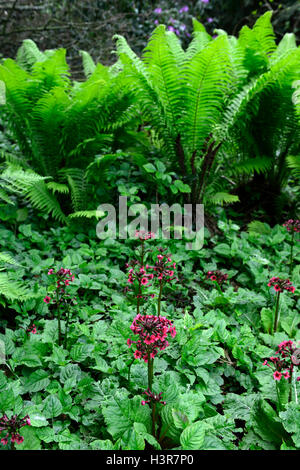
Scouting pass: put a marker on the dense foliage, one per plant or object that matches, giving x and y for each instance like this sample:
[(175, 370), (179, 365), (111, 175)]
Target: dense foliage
[(88, 392), (140, 343)]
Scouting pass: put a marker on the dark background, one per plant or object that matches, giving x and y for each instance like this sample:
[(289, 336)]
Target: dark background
[(90, 24)]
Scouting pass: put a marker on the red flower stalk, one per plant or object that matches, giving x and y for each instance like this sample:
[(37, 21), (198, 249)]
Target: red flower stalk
[(287, 357), (164, 268), (153, 331), (152, 398), (281, 284), (144, 235), (217, 276), (12, 427), (292, 225), (32, 329), (63, 277)]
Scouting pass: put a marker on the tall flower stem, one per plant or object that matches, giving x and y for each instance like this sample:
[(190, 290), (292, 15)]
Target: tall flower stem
[(150, 382), (150, 372), (140, 289), (153, 419), (291, 254), (218, 288), (67, 327), (159, 298), (58, 319), (276, 316), (291, 387)]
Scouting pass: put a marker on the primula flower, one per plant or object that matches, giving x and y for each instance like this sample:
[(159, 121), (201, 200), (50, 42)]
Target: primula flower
[(217, 276), (12, 427), (281, 284), (152, 398), (143, 234), (32, 329), (47, 299), (284, 361), (292, 225), (153, 331), (164, 269), (139, 276)]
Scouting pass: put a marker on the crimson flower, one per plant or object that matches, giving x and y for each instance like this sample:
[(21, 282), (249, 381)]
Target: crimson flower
[(153, 331), (12, 427), (281, 284), (286, 358), (292, 225), (153, 398), (217, 276)]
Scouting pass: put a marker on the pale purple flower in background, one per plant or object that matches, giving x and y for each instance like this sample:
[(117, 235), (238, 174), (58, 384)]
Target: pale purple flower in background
[(158, 11), (188, 34), (205, 1), (184, 9), (171, 20), (156, 22), (210, 20), (177, 32), (182, 27), (170, 28), (214, 36)]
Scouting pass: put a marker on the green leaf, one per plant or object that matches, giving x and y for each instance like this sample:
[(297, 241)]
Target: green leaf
[(37, 420), (291, 421), (31, 440), (266, 315), (52, 407), (122, 413), (192, 437), (80, 352), (36, 381)]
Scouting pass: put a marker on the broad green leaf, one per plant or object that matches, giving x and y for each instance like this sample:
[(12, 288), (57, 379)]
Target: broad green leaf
[(192, 437)]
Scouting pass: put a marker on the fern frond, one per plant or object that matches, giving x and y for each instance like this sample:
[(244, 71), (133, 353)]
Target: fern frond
[(87, 214), (258, 228), (12, 289), (58, 188), (293, 162), (251, 165), (221, 198), (88, 63), (207, 76), (28, 54)]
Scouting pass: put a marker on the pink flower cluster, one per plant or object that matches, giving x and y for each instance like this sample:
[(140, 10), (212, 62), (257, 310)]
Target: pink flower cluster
[(11, 427), (144, 235), (153, 331), (217, 276), (32, 329), (152, 398), (281, 284), (164, 268), (64, 277), (292, 225), (139, 273), (287, 356)]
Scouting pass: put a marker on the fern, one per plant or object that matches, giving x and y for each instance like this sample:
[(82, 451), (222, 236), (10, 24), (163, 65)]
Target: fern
[(258, 228)]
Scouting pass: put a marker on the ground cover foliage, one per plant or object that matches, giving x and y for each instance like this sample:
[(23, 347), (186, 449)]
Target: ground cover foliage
[(138, 344), (87, 393)]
